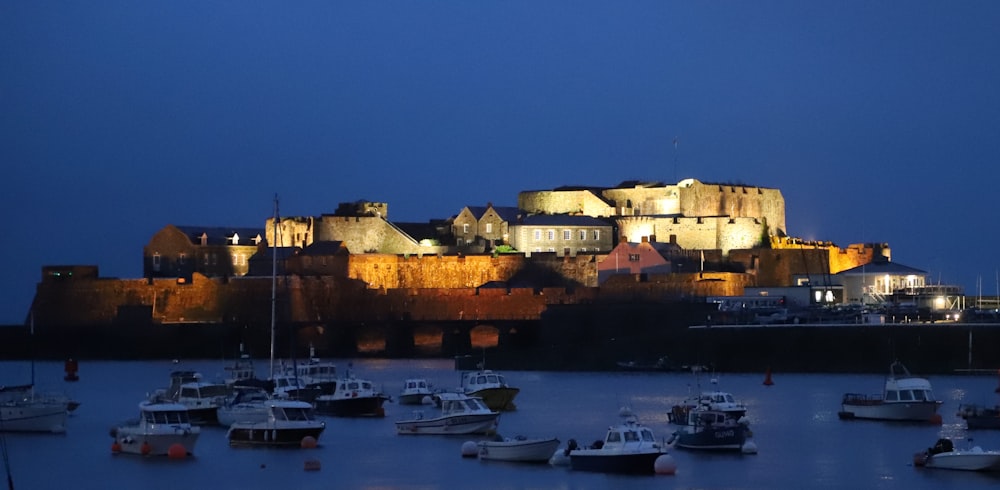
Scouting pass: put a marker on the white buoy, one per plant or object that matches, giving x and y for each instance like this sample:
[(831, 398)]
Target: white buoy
[(749, 448), (470, 449), (665, 465)]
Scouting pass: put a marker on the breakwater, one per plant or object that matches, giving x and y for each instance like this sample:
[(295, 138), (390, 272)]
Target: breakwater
[(591, 337)]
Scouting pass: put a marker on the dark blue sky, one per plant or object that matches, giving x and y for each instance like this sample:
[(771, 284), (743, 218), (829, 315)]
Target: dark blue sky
[(879, 121)]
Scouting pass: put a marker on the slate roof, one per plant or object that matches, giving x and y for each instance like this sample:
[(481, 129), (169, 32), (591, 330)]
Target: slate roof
[(883, 267), (221, 235), (562, 220)]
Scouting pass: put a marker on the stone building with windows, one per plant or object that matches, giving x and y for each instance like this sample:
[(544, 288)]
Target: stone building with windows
[(482, 228), (180, 251), (566, 235)]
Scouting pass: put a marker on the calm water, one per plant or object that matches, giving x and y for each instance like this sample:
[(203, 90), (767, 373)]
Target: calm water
[(801, 442)]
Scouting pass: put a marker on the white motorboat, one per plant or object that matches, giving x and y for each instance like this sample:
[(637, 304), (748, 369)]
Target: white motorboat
[(518, 449), (904, 398), (202, 398), (159, 427), (943, 455), (628, 447), (414, 391), (28, 414), (288, 423), (460, 414), (246, 404)]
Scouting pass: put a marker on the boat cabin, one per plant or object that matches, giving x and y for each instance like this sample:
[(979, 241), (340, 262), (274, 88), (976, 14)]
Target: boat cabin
[(417, 386), (292, 411), (628, 434), (455, 405), (908, 390), (165, 414), (481, 380)]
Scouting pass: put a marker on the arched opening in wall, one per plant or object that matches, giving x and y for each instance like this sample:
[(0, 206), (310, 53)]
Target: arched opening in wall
[(484, 336), (427, 339), (371, 339)]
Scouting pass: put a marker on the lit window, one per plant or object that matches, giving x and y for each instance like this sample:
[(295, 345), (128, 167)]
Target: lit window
[(567, 234), (633, 257), (489, 227), (465, 228)]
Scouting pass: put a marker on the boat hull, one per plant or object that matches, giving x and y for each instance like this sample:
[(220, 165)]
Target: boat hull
[(272, 435), (136, 441), (602, 461), (965, 460), (33, 417), (980, 417), (413, 398), (366, 406), (497, 399), (524, 450), (893, 411), (711, 439), (459, 424)]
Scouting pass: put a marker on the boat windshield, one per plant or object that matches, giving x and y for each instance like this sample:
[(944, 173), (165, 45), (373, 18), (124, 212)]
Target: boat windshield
[(292, 413), (164, 417), (647, 435)]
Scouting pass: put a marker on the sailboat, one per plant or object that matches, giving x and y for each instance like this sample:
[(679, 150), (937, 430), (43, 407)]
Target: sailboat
[(21, 410), (284, 422)]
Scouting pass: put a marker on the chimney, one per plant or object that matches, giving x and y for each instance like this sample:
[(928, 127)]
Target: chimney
[(645, 239)]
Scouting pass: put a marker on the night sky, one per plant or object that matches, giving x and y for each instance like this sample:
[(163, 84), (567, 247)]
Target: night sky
[(879, 121)]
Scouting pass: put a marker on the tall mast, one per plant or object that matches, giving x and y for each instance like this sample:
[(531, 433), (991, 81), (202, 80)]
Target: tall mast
[(274, 280)]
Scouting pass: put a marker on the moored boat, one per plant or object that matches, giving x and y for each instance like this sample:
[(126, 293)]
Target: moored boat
[(460, 414), (518, 449), (628, 447), (980, 417), (415, 391), (32, 415), (352, 397), (246, 404), (491, 387), (944, 456), (288, 423), (711, 430), (904, 398), (202, 398), (159, 427)]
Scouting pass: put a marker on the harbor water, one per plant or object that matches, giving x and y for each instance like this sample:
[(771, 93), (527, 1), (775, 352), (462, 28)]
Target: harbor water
[(801, 441)]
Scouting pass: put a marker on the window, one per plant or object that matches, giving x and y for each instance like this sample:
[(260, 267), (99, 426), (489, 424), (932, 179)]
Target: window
[(597, 234), (567, 235), (206, 259), (633, 257), (538, 235), (489, 227), (465, 228), (550, 234), (582, 250), (156, 261), (181, 258), (459, 242), (583, 235)]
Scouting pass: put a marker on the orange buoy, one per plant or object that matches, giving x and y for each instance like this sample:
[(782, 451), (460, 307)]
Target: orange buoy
[(176, 451), (308, 442), (116, 447), (145, 449), (767, 378)]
